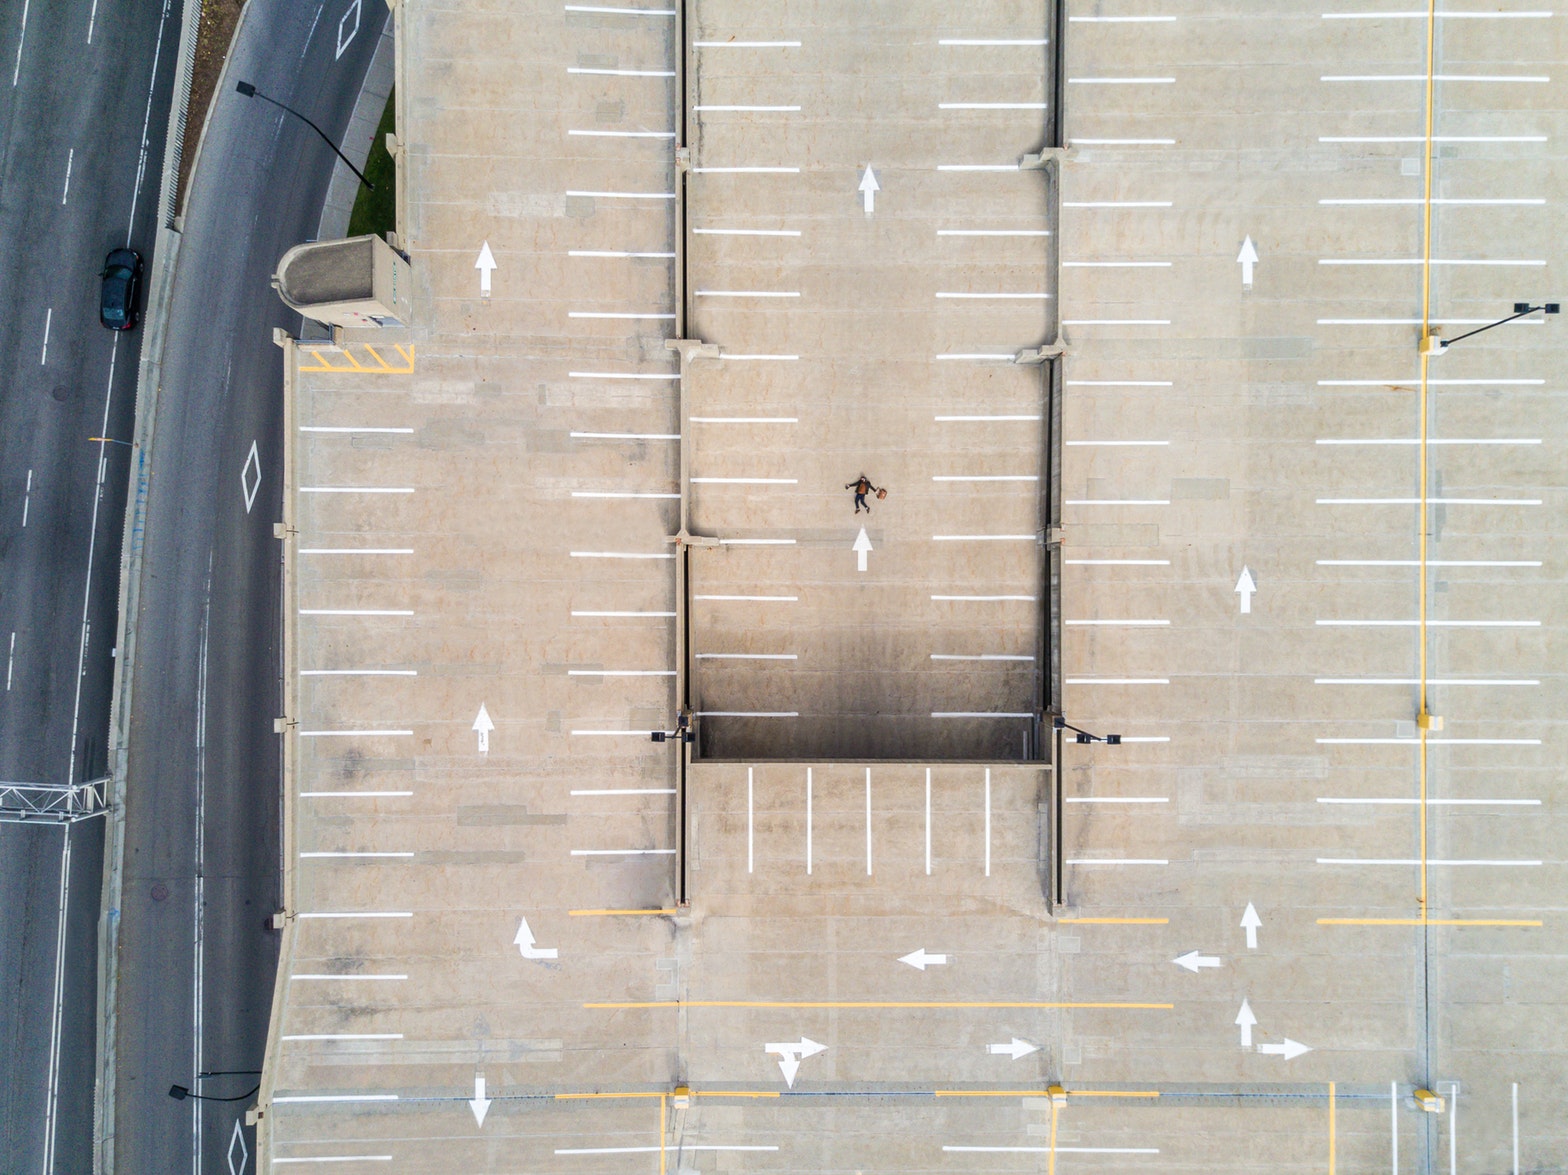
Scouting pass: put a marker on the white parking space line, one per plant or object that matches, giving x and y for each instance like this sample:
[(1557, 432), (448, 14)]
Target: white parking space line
[(664, 615), (622, 134), (988, 599), (624, 436), (623, 195), (1417, 861), (745, 44), (1117, 562), (746, 232), (351, 429), (994, 296), (1441, 77), (622, 253), (711, 109), (1432, 802), (980, 419), (608, 314), (1511, 681), (359, 673), (1429, 623), (620, 11), (624, 791), (1429, 562), (624, 73), (356, 611), (750, 599), (1119, 623), (356, 550), (623, 852), (982, 657)]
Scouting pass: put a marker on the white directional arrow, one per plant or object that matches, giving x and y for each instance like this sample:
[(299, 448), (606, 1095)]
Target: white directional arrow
[(1246, 1020), (524, 942), (483, 726), (1015, 1048), (1250, 923), (922, 959), (485, 265), (481, 1104), (1245, 586), (1248, 257), (1192, 961), (1290, 1049), (862, 548), (791, 1055), (869, 189)]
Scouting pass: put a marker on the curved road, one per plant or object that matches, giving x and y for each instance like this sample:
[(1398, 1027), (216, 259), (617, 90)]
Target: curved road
[(197, 954), (84, 99)]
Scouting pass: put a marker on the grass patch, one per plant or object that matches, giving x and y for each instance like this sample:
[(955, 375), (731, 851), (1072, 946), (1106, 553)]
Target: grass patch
[(376, 211)]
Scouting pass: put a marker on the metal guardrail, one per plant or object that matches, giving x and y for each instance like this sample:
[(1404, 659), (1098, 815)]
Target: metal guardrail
[(51, 803)]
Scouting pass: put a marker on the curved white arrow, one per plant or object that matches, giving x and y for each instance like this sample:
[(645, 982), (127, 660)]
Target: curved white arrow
[(922, 959), (524, 942)]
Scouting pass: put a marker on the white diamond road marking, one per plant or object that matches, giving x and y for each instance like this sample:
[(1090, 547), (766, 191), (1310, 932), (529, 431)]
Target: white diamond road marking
[(344, 41), (238, 1137), (245, 477)]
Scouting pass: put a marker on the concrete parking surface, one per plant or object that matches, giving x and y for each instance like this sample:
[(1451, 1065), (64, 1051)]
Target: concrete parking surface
[(875, 910)]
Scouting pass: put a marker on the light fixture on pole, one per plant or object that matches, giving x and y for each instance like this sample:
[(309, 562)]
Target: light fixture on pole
[(1083, 736), (1433, 343)]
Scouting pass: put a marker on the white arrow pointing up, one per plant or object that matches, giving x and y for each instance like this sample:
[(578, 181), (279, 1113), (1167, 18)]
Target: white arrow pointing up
[(1250, 923), (1192, 961), (524, 942), (483, 726), (1245, 586), (1015, 1048), (1290, 1049), (869, 189), (481, 1104), (921, 959), (1248, 257), (485, 265), (1246, 1020), (862, 548)]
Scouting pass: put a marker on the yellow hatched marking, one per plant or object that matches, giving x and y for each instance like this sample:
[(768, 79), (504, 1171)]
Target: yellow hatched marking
[(343, 360)]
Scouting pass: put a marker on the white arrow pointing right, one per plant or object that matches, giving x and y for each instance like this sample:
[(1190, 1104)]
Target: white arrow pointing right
[(485, 265), (1290, 1049), (1246, 1020), (862, 548), (481, 1104), (1015, 1048), (1248, 257), (1192, 961), (922, 959)]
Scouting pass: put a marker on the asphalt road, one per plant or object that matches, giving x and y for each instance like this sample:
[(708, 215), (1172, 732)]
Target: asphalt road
[(83, 111), (202, 752)]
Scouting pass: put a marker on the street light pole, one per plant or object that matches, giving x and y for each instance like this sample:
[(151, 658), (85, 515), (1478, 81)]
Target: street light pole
[(250, 91), (1434, 344)]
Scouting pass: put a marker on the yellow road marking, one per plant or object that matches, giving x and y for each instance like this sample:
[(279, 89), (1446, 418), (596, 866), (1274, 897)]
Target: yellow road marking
[(1426, 327), (868, 1004), (661, 1135), (576, 1097), (323, 360), (1118, 921), (738, 1093), (618, 913), (1055, 1109), (1429, 922)]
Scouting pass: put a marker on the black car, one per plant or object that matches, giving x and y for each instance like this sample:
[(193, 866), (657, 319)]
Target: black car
[(122, 274)]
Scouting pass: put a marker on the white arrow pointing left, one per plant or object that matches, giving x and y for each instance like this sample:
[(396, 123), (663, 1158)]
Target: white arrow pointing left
[(1248, 257), (1015, 1048), (1192, 961), (524, 942), (862, 548), (922, 959), (868, 190), (1247, 1021), (1290, 1049), (486, 266), (481, 1104), (483, 726)]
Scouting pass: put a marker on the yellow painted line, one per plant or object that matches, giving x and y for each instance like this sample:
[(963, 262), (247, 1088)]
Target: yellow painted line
[(1429, 922), (1426, 326), (662, 1136), (1330, 1128), (576, 1097), (1117, 921), (738, 1093), (1055, 1109), (1044, 1093), (869, 1004), (618, 913), (322, 361)]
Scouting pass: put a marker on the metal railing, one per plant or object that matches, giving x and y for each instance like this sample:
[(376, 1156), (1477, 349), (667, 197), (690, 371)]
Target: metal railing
[(51, 803)]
